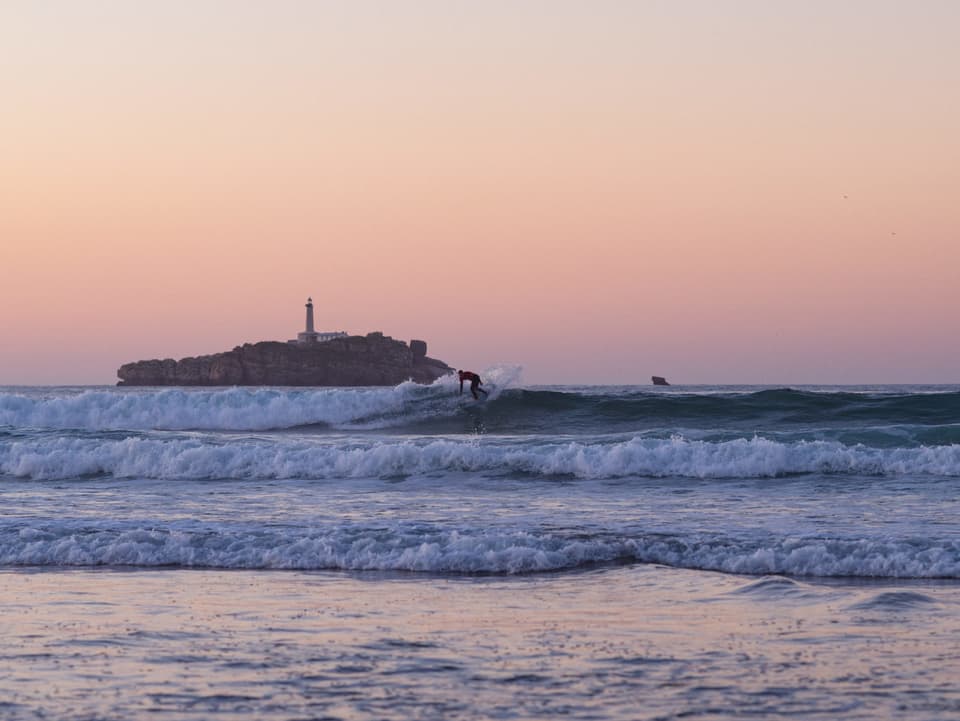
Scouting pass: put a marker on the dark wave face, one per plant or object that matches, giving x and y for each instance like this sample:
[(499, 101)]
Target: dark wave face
[(761, 408), (881, 419), (440, 408)]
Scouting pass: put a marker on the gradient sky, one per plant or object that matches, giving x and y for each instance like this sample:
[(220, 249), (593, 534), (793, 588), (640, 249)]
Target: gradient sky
[(746, 191)]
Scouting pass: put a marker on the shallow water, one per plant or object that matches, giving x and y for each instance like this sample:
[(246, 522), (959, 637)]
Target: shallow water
[(640, 642)]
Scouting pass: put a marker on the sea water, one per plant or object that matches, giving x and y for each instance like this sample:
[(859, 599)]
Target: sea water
[(408, 552)]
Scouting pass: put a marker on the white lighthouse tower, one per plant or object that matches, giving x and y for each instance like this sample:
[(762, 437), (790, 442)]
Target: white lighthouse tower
[(309, 335)]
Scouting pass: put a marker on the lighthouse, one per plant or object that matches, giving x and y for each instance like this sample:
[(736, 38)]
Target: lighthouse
[(309, 317), (310, 335)]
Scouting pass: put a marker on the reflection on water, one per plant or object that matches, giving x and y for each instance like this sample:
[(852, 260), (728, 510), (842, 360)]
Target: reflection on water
[(640, 642)]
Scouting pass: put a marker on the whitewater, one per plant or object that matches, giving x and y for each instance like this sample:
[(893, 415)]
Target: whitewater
[(710, 531)]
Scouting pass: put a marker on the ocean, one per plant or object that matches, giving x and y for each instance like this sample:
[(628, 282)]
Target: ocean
[(577, 552)]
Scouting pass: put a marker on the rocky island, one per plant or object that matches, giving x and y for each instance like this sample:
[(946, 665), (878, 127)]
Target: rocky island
[(314, 359)]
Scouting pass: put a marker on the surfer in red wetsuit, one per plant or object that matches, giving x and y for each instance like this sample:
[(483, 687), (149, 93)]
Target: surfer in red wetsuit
[(475, 382)]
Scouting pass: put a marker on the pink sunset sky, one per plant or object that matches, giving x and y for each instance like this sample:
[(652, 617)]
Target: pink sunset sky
[(743, 191)]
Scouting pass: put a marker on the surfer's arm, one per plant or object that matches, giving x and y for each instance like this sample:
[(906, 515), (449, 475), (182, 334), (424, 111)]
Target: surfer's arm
[(461, 386)]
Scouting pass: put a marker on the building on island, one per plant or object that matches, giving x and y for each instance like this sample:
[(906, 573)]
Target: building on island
[(309, 335)]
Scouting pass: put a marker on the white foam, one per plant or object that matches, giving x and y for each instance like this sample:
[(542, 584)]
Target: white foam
[(877, 558), (205, 458), (338, 548), (238, 409), (467, 550)]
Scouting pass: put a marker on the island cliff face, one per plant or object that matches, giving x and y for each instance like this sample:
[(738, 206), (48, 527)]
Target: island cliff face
[(371, 360)]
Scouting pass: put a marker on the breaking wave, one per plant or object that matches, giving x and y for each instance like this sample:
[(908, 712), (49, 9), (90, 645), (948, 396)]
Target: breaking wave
[(241, 409), (464, 551), (262, 409), (199, 458)]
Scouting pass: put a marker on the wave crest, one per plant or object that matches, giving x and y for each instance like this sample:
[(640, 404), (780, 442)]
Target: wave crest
[(468, 551), (202, 458), (242, 409)]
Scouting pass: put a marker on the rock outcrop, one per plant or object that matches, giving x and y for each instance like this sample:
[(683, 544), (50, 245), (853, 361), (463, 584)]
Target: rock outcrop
[(659, 381), (371, 360)]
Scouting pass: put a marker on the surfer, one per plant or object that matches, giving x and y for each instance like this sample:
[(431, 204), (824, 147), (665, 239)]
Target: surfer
[(475, 383)]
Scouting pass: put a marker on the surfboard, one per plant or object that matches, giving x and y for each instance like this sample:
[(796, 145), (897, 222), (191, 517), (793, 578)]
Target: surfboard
[(467, 398), (489, 388)]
